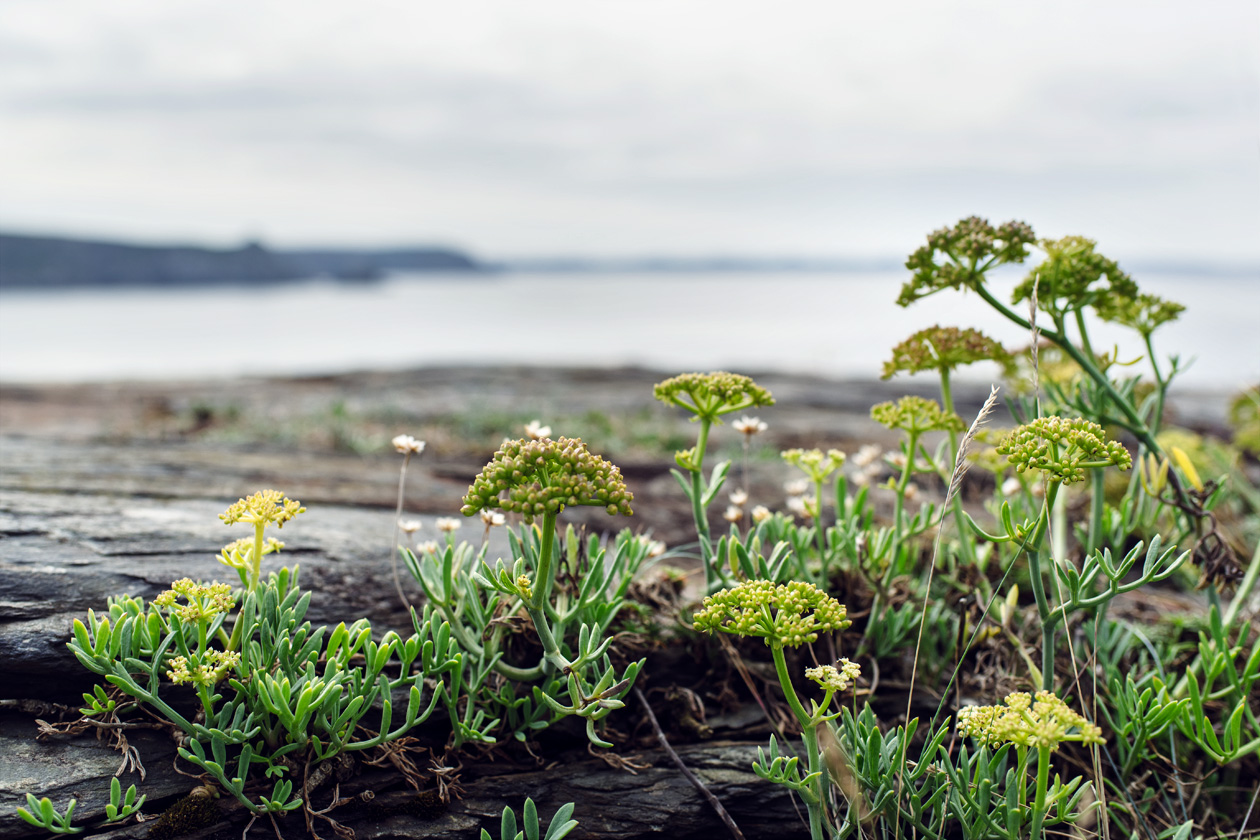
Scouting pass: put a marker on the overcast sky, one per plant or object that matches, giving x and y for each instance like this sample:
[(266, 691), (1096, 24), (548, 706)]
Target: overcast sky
[(683, 127)]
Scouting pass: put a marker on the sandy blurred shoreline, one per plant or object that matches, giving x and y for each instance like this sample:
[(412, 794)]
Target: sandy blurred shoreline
[(325, 439)]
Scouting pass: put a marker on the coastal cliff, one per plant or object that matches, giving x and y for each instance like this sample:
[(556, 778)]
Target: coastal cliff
[(41, 262)]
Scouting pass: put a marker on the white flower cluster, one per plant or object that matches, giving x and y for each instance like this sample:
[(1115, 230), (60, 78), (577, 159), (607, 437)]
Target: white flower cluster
[(407, 445), (832, 678)]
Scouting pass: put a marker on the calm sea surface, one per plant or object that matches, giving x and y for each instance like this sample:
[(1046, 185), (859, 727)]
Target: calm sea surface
[(831, 324)]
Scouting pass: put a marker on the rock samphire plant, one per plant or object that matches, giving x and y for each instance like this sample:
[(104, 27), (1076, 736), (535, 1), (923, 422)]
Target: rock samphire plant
[(788, 615), (573, 674), (276, 698), (1016, 580)]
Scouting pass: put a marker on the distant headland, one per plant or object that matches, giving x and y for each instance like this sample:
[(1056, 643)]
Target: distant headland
[(47, 262)]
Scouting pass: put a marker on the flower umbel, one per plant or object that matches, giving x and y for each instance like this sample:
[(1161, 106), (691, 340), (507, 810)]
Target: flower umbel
[(207, 669), (943, 349), (535, 477), (710, 395), (1063, 449), (916, 415), (1039, 721), (814, 462), (784, 615), (1144, 313), (968, 249), (269, 507), (1073, 276), (202, 601)]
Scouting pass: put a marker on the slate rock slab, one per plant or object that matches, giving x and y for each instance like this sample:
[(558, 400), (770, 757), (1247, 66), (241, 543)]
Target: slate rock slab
[(63, 554)]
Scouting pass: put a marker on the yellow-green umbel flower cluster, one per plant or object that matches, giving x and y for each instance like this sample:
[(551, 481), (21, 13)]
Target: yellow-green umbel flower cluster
[(967, 249), (269, 507), (206, 670), (814, 462), (536, 477), (784, 615), (943, 349), (1072, 276), (916, 415), (1144, 313), (1063, 449), (203, 600), (1040, 722), (710, 395)]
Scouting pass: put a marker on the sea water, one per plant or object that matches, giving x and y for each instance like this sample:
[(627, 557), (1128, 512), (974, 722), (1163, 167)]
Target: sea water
[(833, 324)]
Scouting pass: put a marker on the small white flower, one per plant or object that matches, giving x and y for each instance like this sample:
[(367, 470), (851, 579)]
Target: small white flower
[(866, 455), (801, 506), (447, 524), (492, 517), (655, 548), (409, 526), (912, 492), (535, 430), (796, 487), (897, 459), (739, 497), (427, 547), (408, 445), (733, 513), (761, 513), (866, 475), (749, 425), (1011, 486)]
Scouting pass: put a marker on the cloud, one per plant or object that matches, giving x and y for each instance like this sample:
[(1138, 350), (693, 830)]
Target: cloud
[(621, 122)]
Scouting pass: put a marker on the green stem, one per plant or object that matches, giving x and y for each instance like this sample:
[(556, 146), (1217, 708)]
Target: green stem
[(1140, 429), (947, 402), (1043, 780), (543, 577), (1097, 499), (1161, 384), (899, 511), (698, 513), (1097, 507), (535, 604), (819, 533), (256, 555), (809, 734), (1039, 589)]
